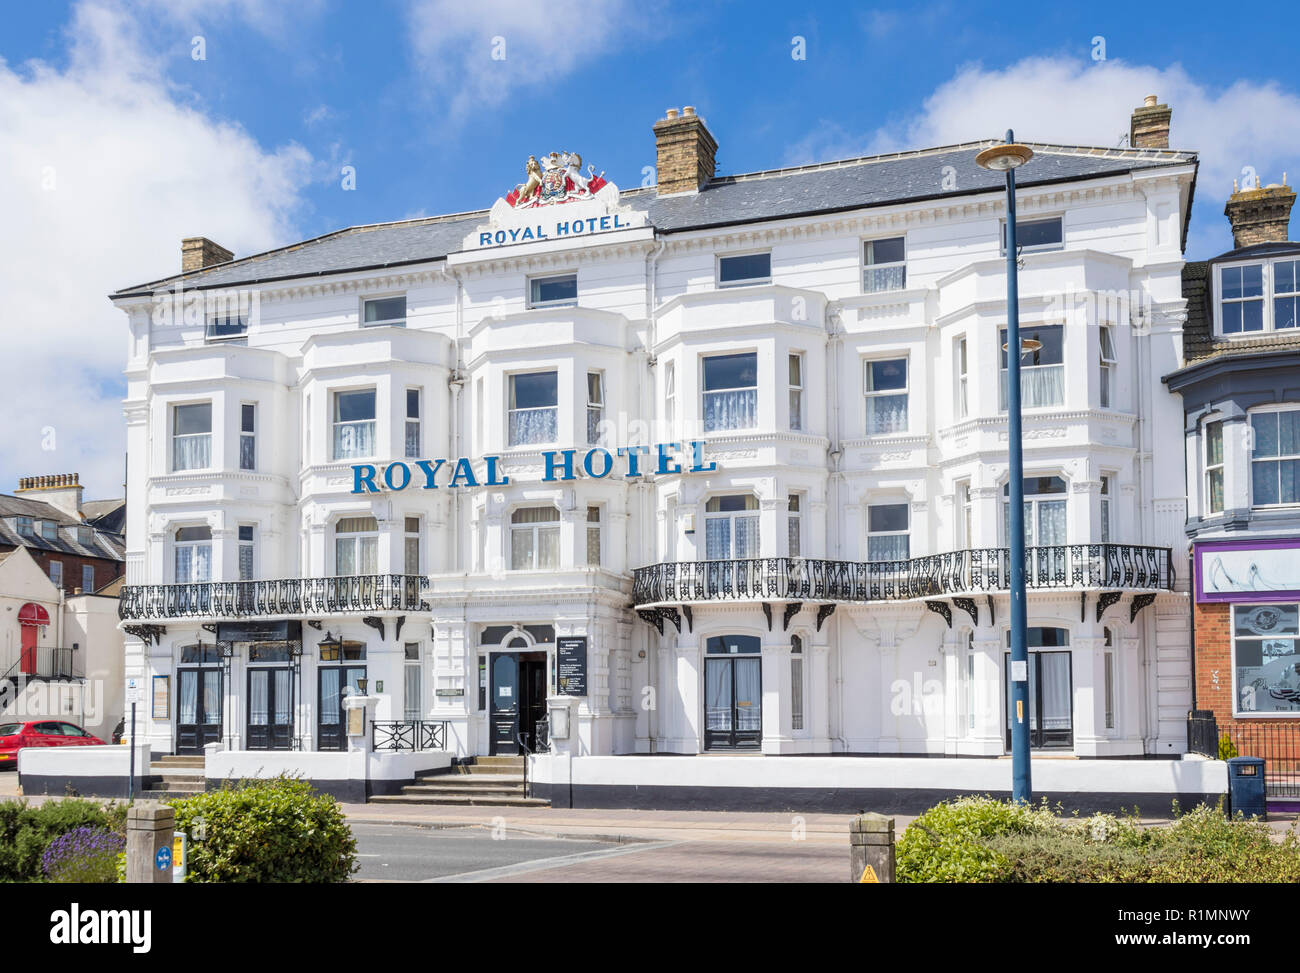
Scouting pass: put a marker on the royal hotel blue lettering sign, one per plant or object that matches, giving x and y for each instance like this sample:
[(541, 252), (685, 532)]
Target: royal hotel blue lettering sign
[(630, 462)]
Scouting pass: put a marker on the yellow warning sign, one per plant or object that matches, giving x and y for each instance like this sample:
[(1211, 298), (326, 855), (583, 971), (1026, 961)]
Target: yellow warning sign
[(869, 875)]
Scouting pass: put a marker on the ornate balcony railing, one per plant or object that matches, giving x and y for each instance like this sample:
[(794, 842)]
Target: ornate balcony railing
[(282, 596), (1063, 567), (410, 734)]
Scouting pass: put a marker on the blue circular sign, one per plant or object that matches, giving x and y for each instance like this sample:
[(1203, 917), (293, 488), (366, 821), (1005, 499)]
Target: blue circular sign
[(163, 858)]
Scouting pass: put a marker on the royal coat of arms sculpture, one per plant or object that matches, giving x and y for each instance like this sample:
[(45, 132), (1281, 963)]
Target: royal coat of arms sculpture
[(556, 178)]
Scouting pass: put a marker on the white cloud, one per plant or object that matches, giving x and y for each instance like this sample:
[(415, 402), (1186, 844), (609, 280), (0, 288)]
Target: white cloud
[(103, 169), (1082, 102), (477, 55)]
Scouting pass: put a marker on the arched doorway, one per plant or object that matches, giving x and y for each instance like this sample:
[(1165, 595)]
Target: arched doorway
[(31, 619), (733, 693)]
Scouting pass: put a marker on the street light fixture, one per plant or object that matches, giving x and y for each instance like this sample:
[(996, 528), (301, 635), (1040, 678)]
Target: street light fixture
[(1007, 157)]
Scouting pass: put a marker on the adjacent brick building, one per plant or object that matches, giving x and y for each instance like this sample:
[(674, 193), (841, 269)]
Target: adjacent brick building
[(79, 545)]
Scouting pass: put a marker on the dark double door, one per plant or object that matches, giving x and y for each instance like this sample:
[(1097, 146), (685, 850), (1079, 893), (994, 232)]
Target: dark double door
[(270, 708), (198, 713), (733, 703), (333, 683), (518, 701), (1051, 700)]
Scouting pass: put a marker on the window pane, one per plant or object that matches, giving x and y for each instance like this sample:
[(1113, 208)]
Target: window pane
[(548, 547), (731, 371), (388, 309), (412, 555), (1284, 312), (887, 516), (356, 525), (247, 451), (193, 419), (750, 266), (412, 403), (247, 416), (593, 546), (1252, 280), (1214, 443), (1289, 432), (194, 534), (886, 414), (521, 549), (1265, 428), (1231, 318), (717, 538), (354, 406), (887, 375), (888, 547), (227, 326), (534, 390), (1052, 339), (1252, 315), (889, 251), (548, 290), (1036, 233), (535, 515), (1264, 483), (736, 409), (1285, 274)]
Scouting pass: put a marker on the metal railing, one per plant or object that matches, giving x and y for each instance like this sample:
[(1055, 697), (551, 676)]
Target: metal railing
[(1203, 733), (1278, 744), (281, 596), (47, 662), (410, 735), (1066, 566)]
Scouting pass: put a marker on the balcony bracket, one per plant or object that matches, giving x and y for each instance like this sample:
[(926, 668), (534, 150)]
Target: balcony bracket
[(1105, 600), (146, 633), (652, 616), (690, 618), (792, 608), (941, 608), (767, 611), (375, 622), (674, 616), (209, 627), (314, 623), (992, 615), (824, 612), (969, 607), (1139, 602), (1083, 605), (397, 628)]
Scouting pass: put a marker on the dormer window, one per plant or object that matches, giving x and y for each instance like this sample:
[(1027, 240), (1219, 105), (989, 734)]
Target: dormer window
[(25, 527), (1258, 297), (85, 536), (49, 530)]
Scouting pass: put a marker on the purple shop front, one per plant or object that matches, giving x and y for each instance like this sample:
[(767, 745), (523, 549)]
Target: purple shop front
[(1247, 570)]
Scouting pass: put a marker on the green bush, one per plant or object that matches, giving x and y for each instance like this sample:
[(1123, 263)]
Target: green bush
[(1227, 749), (26, 831), (277, 830), (982, 840)]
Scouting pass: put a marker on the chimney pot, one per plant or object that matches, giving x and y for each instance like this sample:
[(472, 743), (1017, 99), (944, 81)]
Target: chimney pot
[(685, 152), (1149, 125)]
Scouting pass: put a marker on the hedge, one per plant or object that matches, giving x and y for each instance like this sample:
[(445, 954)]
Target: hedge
[(26, 831)]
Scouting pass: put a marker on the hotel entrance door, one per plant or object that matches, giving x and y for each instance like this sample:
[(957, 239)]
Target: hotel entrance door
[(518, 701)]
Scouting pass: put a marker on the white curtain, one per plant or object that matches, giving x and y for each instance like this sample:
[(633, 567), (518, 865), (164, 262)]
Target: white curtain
[(884, 279), (192, 452), (533, 426), (258, 697), (1051, 522), (746, 529), (188, 711), (353, 440), (412, 701), (1055, 668), (1040, 385), (521, 548), (717, 538), (730, 409), (888, 547), (193, 563), (886, 414), (281, 696), (717, 694), (748, 681), (548, 547), (329, 696)]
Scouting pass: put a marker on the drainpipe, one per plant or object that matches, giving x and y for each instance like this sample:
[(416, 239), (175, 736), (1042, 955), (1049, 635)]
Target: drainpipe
[(644, 498), (833, 499)]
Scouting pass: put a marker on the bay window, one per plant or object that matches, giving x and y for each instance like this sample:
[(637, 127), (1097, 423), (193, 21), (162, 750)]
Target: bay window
[(885, 388), (1214, 467), (1266, 658), (193, 554), (534, 539), (1042, 370), (354, 424), (533, 416), (1275, 457), (595, 406), (731, 528), (356, 546), (731, 392), (887, 532), (1045, 499), (192, 436), (884, 265)]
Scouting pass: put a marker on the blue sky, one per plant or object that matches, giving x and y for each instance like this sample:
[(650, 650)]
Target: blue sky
[(248, 144)]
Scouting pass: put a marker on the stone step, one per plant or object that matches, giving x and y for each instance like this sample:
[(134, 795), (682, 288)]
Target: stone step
[(474, 800), (183, 760), (472, 792), (471, 781), (172, 770), (495, 762)]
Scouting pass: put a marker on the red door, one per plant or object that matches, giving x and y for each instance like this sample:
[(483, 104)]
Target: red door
[(31, 619)]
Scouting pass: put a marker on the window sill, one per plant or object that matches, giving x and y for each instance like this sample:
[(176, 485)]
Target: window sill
[(756, 282), (551, 305), (395, 323)]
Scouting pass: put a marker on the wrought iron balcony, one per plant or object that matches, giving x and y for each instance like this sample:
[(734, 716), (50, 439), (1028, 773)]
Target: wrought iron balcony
[(1062, 567), (282, 596)]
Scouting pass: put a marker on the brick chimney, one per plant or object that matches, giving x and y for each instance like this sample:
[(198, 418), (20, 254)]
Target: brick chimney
[(198, 252), (1149, 127), (1260, 215), (61, 490), (685, 150)]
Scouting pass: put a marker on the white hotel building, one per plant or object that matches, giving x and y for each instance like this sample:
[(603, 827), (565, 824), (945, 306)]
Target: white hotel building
[(825, 574)]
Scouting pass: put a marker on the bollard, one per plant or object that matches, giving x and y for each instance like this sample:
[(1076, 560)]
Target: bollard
[(871, 844), (149, 828)]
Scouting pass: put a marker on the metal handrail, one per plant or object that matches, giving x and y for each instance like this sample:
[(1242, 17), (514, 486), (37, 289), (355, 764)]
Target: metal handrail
[(50, 662), (279, 596), (1065, 566)]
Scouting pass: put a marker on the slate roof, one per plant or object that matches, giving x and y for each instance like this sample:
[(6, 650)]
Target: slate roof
[(726, 200), (109, 545), (107, 515), (1199, 342)]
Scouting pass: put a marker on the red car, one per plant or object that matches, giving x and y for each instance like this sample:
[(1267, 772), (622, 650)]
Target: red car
[(41, 733)]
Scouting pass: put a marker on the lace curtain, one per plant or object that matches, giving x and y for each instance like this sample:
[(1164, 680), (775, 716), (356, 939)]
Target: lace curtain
[(529, 426), (886, 414), (356, 555), (534, 547), (718, 536), (192, 452), (193, 563), (730, 409), (878, 279), (888, 547), (1040, 385), (354, 440)]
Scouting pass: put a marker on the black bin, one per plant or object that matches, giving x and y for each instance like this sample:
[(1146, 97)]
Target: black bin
[(1246, 787)]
